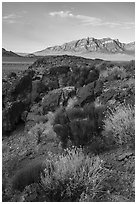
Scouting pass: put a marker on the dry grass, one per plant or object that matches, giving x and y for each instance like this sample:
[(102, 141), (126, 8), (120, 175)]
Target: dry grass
[(71, 175), (121, 123)]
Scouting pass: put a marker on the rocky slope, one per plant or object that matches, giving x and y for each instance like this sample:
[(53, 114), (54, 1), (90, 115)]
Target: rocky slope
[(53, 83), (91, 45), (52, 80)]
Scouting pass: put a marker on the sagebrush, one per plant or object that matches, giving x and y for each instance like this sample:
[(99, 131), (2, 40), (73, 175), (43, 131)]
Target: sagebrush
[(71, 174), (120, 123)]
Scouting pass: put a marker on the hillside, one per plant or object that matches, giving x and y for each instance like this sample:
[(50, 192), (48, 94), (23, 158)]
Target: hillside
[(69, 131), (105, 48), (6, 53)]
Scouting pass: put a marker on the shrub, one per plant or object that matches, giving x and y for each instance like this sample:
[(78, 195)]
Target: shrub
[(75, 113), (79, 124), (103, 74), (37, 131), (96, 113), (121, 123), (82, 131), (62, 132), (60, 116), (117, 73), (27, 175), (72, 174)]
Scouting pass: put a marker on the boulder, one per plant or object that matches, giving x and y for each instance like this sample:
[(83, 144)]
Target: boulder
[(86, 94), (56, 98), (36, 118), (51, 101), (11, 115), (98, 88), (21, 87), (36, 90)]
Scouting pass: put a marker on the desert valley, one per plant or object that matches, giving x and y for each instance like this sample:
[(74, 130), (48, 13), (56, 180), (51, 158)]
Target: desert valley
[(68, 121)]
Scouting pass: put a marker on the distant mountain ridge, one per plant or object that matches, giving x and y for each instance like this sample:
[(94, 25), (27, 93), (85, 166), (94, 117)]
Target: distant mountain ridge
[(91, 45), (6, 53)]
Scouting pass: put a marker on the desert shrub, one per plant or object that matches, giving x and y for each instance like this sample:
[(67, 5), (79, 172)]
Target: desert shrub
[(117, 73), (96, 113), (82, 131), (50, 117), (130, 68), (103, 75), (60, 116), (44, 131), (62, 132), (72, 174), (75, 113), (93, 75), (120, 123), (27, 175), (79, 124), (37, 131)]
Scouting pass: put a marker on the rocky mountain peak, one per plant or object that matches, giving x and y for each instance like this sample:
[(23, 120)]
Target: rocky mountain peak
[(90, 45)]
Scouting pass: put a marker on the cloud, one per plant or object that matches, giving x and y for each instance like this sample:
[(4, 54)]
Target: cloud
[(11, 18), (82, 18), (90, 20), (128, 25), (62, 14)]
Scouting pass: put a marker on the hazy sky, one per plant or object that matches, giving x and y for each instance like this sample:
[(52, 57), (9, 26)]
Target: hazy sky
[(29, 27)]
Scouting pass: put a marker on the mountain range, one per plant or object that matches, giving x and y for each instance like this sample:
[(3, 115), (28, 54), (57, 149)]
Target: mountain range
[(91, 46), (6, 53), (105, 48)]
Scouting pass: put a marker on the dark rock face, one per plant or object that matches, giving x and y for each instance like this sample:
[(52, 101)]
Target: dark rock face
[(22, 86), (51, 101), (88, 93), (98, 88), (57, 97), (16, 99), (11, 115), (36, 90)]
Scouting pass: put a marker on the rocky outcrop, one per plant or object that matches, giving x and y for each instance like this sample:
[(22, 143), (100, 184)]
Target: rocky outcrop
[(88, 93), (36, 90), (56, 98), (11, 115), (16, 99), (61, 71)]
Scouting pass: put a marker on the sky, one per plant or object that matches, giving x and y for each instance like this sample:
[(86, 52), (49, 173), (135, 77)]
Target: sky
[(32, 26)]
